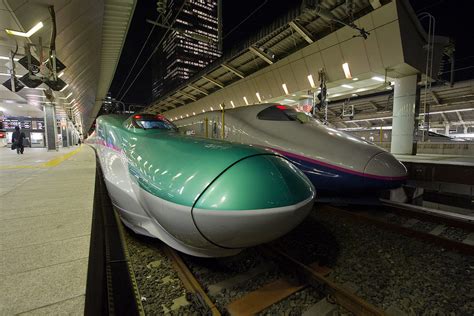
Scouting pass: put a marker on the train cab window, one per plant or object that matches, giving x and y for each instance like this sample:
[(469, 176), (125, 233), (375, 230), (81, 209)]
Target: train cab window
[(283, 113), (150, 121)]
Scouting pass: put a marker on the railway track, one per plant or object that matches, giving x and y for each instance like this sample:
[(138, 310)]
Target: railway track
[(418, 223), (298, 277), (278, 281)]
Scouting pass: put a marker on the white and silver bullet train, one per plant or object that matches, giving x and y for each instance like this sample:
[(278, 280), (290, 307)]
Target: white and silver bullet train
[(338, 164)]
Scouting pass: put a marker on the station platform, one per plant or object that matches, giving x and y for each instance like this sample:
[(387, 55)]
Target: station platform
[(46, 201), (456, 160)]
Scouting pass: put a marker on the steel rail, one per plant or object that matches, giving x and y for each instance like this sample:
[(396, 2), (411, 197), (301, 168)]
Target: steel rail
[(341, 295), (190, 282)]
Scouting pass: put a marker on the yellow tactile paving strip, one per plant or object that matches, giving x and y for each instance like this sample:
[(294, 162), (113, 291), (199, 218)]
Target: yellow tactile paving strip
[(48, 164)]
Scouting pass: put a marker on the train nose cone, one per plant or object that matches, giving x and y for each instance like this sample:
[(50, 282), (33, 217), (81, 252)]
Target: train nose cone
[(256, 200), (386, 169)]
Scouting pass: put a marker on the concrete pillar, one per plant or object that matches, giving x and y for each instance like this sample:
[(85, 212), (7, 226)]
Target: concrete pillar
[(64, 134), (406, 105), (50, 128), (69, 134)]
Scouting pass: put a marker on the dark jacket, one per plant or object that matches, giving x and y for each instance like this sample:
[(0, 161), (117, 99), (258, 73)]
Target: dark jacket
[(17, 138)]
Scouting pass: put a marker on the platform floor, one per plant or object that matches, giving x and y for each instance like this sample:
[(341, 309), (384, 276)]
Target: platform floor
[(46, 201), (438, 159)]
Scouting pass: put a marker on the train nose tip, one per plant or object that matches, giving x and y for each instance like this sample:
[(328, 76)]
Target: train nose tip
[(385, 166), (258, 199)]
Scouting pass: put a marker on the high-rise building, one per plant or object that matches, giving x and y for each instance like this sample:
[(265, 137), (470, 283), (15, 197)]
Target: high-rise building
[(190, 46)]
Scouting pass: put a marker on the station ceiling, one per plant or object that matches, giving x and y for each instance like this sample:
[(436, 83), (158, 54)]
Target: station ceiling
[(90, 36)]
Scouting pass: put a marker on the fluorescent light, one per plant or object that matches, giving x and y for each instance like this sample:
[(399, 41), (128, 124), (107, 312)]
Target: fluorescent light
[(220, 105), (203, 111), (347, 71), (361, 89), (233, 105), (451, 111), (212, 109), (355, 79), (258, 97), (187, 115), (181, 116), (285, 88), (194, 113), (8, 58), (245, 100), (64, 88), (61, 74), (7, 74), (336, 95), (347, 86), (378, 79), (34, 95), (32, 31), (311, 81), (72, 100), (175, 117), (20, 106)]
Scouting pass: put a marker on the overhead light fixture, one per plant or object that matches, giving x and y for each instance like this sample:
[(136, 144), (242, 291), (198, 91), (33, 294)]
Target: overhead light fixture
[(203, 111), (355, 79), (285, 88), (347, 86), (220, 105), (347, 71), (361, 89), (64, 88), (245, 100), (8, 58), (187, 115), (378, 79), (232, 103), (212, 109), (258, 97), (194, 113), (32, 31), (7, 74), (61, 74), (311, 81), (336, 95)]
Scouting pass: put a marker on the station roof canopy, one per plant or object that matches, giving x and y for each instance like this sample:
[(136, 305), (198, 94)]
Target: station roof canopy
[(316, 35), (89, 41)]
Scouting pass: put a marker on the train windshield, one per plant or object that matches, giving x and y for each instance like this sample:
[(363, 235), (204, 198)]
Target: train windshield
[(284, 113), (150, 121)]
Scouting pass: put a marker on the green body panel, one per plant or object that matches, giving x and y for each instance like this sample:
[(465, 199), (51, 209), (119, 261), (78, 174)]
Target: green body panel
[(179, 168), (257, 182)]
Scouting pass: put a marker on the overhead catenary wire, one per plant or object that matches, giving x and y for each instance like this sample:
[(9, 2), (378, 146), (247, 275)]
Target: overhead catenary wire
[(138, 56), (154, 50)]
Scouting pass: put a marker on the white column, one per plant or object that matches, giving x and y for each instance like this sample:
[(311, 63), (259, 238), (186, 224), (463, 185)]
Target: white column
[(50, 127), (405, 102)]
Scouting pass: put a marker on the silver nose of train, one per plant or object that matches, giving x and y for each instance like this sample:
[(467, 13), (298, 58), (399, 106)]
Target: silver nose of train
[(384, 166)]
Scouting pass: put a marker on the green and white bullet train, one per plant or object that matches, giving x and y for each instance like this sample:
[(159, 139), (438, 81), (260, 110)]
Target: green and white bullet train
[(203, 197)]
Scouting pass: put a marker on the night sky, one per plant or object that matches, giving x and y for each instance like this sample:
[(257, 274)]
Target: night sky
[(453, 19)]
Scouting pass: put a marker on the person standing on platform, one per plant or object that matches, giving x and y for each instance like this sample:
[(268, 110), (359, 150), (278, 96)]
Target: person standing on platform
[(17, 140)]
